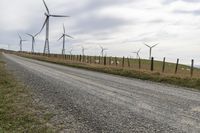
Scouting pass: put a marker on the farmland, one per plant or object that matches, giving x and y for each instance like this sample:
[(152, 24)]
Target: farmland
[(127, 67)]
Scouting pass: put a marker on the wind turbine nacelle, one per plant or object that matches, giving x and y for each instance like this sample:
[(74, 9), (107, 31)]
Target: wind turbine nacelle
[(46, 14)]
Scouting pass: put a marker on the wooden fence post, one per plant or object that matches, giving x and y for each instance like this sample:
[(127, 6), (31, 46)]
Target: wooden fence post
[(139, 63), (128, 62), (163, 67), (99, 60), (95, 59), (86, 59), (176, 68), (192, 67), (123, 60), (105, 61), (80, 58), (116, 61), (152, 64)]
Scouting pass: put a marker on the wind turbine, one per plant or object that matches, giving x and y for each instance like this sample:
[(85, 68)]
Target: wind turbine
[(102, 50), (21, 41), (33, 41), (63, 36), (46, 22), (137, 53), (70, 51), (150, 47), (83, 50)]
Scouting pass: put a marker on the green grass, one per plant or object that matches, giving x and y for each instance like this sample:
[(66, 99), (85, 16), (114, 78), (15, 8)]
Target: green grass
[(180, 79), (17, 113)]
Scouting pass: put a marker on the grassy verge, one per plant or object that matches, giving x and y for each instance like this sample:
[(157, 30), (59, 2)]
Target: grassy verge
[(144, 75), (17, 113)]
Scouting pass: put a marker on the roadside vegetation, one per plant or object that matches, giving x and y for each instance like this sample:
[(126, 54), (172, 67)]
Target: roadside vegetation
[(183, 77), (17, 111)]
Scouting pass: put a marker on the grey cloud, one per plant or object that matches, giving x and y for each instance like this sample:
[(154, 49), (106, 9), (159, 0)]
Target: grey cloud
[(94, 23), (165, 2), (87, 25), (194, 12), (193, 1), (93, 5), (156, 21)]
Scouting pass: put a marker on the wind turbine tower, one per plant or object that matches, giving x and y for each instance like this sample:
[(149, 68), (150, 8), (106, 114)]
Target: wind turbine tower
[(83, 51), (46, 22), (63, 37), (21, 42), (150, 49), (33, 41)]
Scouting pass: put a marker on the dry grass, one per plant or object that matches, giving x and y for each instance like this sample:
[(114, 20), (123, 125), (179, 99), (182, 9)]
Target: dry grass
[(17, 113), (182, 78)]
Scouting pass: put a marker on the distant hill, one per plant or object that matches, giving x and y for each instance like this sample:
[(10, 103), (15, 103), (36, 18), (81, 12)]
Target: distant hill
[(1, 50)]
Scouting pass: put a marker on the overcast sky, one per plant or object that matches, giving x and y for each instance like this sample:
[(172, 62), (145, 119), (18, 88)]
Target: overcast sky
[(122, 26)]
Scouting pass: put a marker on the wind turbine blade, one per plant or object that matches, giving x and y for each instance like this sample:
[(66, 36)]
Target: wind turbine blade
[(139, 50), (36, 34), (101, 47), (43, 25), (146, 45), (46, 6), (60, 37), (58, 16), (64, 28), (69, 36), (29, 35), (19, 36), (155, 45)]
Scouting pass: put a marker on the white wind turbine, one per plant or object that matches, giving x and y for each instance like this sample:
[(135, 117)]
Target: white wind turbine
[(63, 37), (102, 50), (33, 41), (137, 53), (150, 49), (21, 42), (46, 22)]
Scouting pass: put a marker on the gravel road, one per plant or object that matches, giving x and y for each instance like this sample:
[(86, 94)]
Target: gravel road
[(100, 102)]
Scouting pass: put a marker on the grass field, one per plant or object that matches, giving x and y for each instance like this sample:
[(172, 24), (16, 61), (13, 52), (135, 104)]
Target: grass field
[(17, 112), (182, 78)]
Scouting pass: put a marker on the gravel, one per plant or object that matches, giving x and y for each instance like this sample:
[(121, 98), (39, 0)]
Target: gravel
[(85, 101)]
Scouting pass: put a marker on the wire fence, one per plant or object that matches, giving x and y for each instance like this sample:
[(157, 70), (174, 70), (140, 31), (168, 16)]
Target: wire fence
[(151, 65)]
